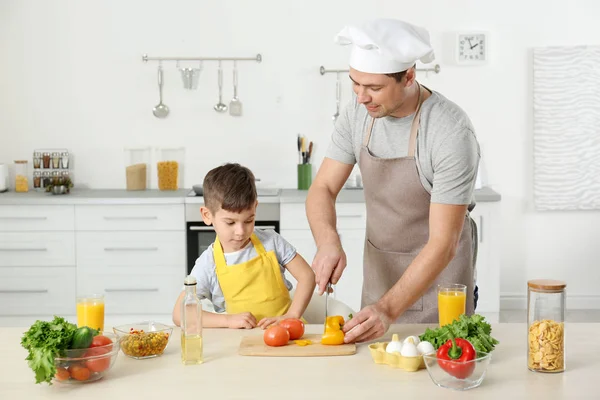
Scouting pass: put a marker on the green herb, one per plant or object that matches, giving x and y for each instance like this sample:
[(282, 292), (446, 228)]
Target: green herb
[(473, 328), (44, 341)]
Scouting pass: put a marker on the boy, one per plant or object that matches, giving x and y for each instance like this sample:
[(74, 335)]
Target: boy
[(243, 271)]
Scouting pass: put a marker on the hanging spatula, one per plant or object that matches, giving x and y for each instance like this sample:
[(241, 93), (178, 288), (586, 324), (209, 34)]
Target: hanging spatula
[(235, 105)]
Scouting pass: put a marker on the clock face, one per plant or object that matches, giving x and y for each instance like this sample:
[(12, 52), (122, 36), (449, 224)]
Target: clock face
[(472, 48)]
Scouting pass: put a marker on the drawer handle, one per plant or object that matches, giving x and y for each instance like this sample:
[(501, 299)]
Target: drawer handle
[(131, 290), (350, 216), (126, 218), (25, 218), (201, 228), (25, 291), (24, 249), (131, 249)]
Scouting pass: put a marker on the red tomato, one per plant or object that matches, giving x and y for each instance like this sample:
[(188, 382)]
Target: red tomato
[(62, 374), (79, 373), (101, 341), (97, 364), (276, 336), (294, 326)]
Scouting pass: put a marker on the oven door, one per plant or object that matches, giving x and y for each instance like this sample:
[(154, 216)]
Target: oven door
[(201, 236)]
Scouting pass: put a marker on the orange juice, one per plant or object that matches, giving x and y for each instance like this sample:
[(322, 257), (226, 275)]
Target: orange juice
[(90, 313), (451, 304)]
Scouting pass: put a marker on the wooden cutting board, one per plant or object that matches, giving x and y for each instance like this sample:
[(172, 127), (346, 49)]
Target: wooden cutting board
[(255, 346)]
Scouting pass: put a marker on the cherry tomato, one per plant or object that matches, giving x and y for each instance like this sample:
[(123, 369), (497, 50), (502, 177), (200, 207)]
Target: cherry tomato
[(79, 373), (101, 341), (276, 336), (294, 326), (62, 374), (98, 364)]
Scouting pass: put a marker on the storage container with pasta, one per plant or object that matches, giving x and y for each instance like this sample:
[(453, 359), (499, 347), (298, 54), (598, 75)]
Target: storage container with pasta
[(170, 168), (546, 325)]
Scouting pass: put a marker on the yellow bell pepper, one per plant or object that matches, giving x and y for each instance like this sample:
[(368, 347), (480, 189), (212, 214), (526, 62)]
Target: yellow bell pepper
[(333, 330), (303, 342)]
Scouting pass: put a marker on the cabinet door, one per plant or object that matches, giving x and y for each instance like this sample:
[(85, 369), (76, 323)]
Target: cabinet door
[(487, 269), (304, 243), (349, 289)]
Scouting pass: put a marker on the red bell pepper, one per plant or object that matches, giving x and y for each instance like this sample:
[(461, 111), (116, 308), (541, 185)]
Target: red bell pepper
[(454, 356)]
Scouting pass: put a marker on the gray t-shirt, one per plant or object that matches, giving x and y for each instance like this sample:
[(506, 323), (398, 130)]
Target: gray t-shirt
[(447, 150), (204, 270)]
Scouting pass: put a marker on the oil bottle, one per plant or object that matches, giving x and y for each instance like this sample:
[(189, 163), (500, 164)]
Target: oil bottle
[(191, 324)]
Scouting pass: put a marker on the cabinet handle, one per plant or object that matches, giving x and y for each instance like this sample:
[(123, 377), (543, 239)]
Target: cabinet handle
[(350, 216), (131, 290), (481, 229), (24, 249), (25, 218), (25, 291), (133, 218), (131, 249), (265, 227)]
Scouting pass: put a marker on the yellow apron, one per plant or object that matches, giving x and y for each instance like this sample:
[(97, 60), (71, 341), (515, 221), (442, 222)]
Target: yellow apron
[(254, 286)]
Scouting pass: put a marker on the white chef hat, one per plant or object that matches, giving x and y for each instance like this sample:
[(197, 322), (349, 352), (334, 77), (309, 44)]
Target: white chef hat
[(384, 46)]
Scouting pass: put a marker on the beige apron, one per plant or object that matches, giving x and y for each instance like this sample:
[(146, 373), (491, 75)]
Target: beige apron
[(398, 228)]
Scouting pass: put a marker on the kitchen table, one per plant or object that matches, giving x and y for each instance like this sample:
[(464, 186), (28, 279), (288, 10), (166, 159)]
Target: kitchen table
[(227, 375)]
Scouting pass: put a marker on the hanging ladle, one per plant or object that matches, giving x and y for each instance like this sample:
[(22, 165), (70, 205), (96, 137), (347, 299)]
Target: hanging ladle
[(220, 106), (338, 95), (160, 110)]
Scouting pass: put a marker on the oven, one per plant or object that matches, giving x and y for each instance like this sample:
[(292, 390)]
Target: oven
[(200, 236)]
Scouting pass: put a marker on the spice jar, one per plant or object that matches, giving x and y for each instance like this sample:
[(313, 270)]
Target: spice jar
[(64, 160), (546, 300), (55, 177), (46, 160), (46, 179), (37, 160), (56, 160), (21, 174), (37, 179)]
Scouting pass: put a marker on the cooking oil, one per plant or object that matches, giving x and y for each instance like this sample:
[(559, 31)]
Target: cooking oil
[(191, 324), (191, 349)]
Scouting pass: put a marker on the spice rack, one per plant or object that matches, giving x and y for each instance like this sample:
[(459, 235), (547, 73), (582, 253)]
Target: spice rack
[(50, 165)]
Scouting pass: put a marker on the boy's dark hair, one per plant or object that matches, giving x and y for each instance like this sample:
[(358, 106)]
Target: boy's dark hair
[(230, 187)]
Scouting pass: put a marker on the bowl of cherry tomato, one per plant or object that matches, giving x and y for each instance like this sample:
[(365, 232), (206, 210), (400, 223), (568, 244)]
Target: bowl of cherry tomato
[(89, 364)]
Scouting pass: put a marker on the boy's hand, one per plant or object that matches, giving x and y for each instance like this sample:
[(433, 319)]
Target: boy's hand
[(243, 320), (268, 321)]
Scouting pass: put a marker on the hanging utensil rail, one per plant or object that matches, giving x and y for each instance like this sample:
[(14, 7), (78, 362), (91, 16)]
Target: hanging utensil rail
[(146, 58), (436, 68)]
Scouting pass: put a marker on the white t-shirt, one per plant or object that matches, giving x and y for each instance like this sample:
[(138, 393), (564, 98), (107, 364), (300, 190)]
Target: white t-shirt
[(204, 270)]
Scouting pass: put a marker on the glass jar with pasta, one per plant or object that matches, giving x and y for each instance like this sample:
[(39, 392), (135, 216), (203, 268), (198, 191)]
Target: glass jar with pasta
[(546, 300), (21, 176), (168, 173)]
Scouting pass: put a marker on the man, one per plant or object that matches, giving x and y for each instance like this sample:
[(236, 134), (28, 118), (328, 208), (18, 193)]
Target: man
[(418, 157)]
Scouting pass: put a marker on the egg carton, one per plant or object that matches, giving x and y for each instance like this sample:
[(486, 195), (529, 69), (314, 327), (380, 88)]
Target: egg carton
[(395, 359)]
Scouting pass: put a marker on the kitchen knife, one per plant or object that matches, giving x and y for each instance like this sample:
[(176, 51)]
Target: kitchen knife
[(327, 290)]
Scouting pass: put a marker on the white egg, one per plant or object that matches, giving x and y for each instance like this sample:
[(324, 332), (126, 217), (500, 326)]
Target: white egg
[(415, 340), (409, 350), (395, 345), (425, 347)]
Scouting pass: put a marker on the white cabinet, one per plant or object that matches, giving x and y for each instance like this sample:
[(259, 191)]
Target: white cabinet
[(134, 255), (37, 260), (485, 216), (351, 228)]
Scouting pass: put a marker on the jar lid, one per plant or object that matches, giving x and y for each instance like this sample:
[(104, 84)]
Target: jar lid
[(20, 161), (548, 285)]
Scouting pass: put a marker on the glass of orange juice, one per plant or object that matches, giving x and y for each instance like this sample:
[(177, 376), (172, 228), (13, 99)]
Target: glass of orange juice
[(90, 311), (452, 302)]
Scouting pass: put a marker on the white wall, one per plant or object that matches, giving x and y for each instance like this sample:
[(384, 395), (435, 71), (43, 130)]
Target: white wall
[(71, 75)]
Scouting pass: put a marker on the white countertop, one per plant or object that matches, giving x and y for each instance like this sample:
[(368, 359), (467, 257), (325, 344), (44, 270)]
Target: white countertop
[(154, 196), (226, 375)]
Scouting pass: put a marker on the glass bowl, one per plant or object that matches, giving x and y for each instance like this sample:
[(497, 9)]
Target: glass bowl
[(86, 365), (476, 371), (143, 339)]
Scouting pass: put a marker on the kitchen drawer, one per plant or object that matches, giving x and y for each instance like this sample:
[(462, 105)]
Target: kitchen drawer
[(141, 290), (349, 216), (37, 291), (37, 218), (130, 249), (143, 217), (29, 249)]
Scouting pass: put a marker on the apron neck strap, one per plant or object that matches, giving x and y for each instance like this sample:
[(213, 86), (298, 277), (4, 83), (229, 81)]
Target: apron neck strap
[(220, 256)]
